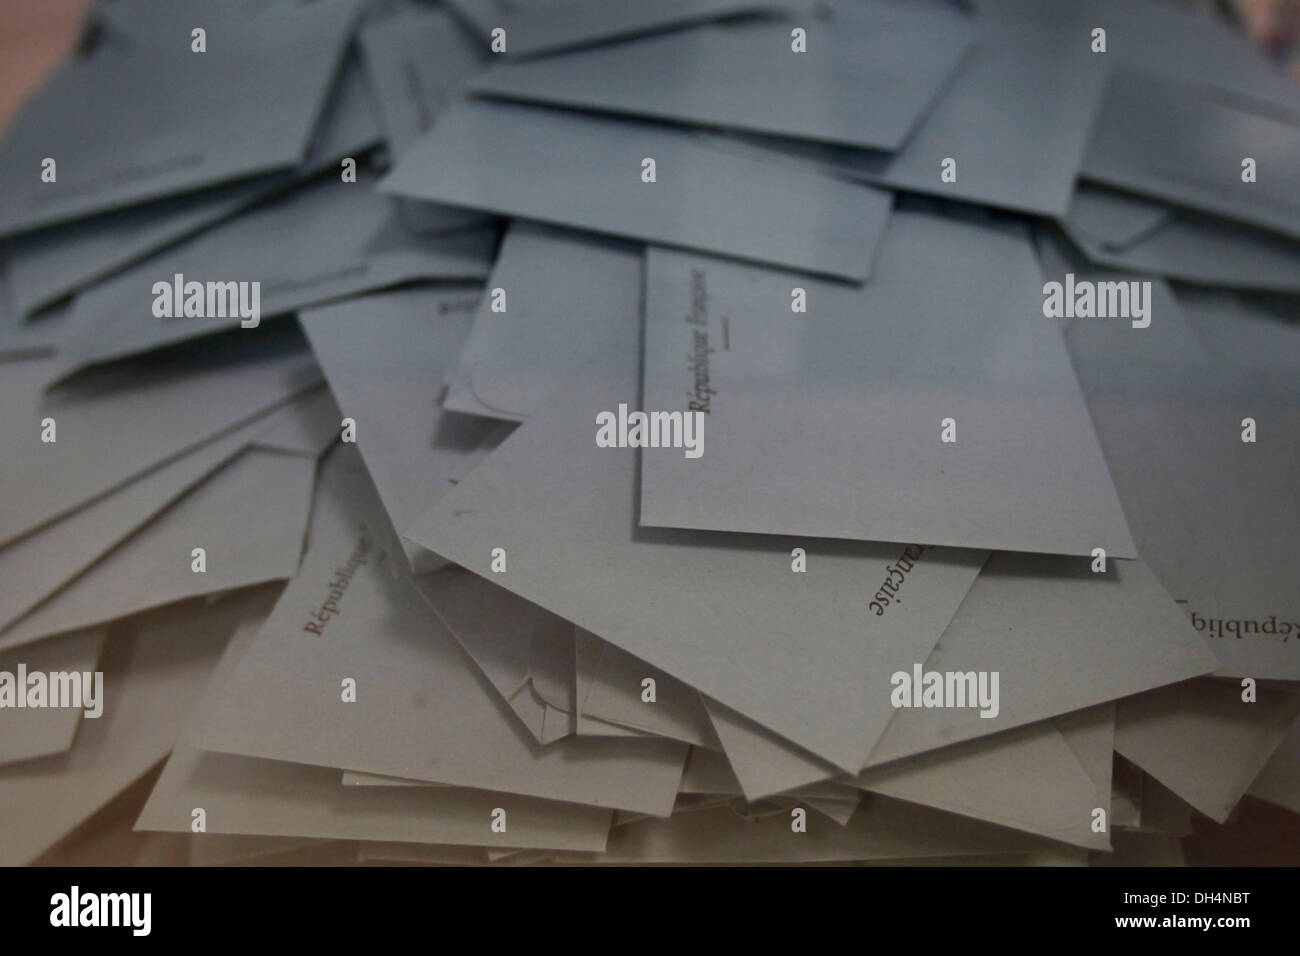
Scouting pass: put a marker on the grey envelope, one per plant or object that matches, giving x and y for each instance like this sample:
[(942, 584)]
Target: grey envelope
[(567, 296), (325, 241), (1186, 144), (1202, 740), (1188, 246), (1028, 618), (39, 732), (1279, 781), (164, 120), (828, 423), (1033, 618), (52, 263), (20, 339), (1182, 43), (383, 356), (1112, 219), (412, 88), (154, 668), (868, 75), (42, 562), (1046, 778), (455, 730), (576, 170), (563, 510), (1163, 410), (611, 688), (245, 795), (882, 829), (126, 421), (249, 517), (545, 26), (524, 651), (1015, 117)]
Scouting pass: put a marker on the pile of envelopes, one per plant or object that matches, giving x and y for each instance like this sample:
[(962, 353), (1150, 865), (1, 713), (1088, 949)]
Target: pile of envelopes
[(639, 432)]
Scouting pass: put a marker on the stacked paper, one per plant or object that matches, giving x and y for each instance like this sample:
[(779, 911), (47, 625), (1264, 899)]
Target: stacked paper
[(719, 431)]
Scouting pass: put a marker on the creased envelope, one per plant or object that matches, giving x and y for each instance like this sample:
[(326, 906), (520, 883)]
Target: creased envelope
[(764, 762), (283, 701), (562, 511), (1112, 219), (1033, 619), (591, 173), (875, 415), (611, 687), (245, 795), (587, 649), (523, 650)]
